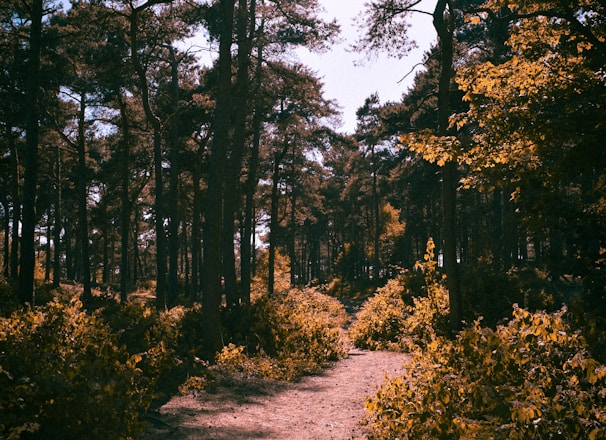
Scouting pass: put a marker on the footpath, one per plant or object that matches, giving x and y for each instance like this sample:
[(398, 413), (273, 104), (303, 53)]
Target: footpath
[(328, 406)]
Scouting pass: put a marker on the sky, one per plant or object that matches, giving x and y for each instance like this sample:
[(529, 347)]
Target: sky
[(349, 83)]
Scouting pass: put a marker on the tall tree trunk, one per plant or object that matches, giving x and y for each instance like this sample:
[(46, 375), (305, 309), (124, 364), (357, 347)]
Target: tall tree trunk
[(57, 219), (106, 244), (48, 250), (16, 202), (161, 299), (246, 245), (173, 199), (273, 229), (211, 299), (83, 203), (137, 270), (443, 21), (6, 230), (195, 230), (245, 18), (496, 240), (125, 200), (376, 214), (274, 221), (292, 240), (32, 132)]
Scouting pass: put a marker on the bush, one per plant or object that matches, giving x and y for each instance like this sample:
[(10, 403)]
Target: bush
[(64, 375), (295, 333), (397, 319), (380, 324), (149, 334), (531, 378)]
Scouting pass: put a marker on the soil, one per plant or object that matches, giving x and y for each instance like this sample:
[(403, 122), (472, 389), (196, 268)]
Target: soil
[(328, 406)]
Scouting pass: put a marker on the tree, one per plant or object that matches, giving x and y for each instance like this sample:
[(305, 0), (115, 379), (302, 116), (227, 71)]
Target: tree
[(297, 115), (211, 299), (367, 131), (385, 25), (27, 260), (534, 124)]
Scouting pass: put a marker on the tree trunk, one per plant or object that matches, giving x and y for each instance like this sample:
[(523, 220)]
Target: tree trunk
[(376, 214), (6, 230), (292, 240), (16, 201), (57, 220), (173, 199), (125, 201), (273, 228), (246, 245), (47, 252), (106, 243), (274, 222), (83, 204), (443, 20), (245, 18), (211, 299), (161, 299), (30, 182), (195, 230)]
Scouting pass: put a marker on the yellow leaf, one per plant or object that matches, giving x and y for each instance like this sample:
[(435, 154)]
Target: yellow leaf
[(133, 360)]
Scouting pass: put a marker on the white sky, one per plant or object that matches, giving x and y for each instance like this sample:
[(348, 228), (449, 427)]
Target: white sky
[(350, 84)]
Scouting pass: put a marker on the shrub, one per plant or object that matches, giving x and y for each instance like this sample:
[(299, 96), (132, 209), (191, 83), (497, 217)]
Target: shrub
[(63, 375), (295, 334), (8, 298), (149, 334), (380, 324), (397, 319), (531, 378)]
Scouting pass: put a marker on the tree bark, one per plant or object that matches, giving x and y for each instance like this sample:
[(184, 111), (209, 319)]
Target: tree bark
[(376, 214), (211, 299), (57, 220), (196, 251), (125, 201), (161, 297), (274, 221), (245, 33), (16, 216), (173, 199), (273, 227), (443, 21), (30, 178), (6, 227), (246, 246), (82, 203)]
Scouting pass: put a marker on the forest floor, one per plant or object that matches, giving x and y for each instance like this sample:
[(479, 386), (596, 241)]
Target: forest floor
[(327, 406)]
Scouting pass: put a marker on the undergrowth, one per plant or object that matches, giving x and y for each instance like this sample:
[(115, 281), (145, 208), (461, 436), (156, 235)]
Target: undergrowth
[(399, 319), (70, 372), (294, 333), (63, 374), (529, 379)]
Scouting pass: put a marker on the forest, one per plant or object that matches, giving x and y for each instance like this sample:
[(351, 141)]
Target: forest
[(162, 215)]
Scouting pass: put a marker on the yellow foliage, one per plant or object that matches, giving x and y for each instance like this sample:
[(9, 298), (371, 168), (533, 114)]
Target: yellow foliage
[(529, 378)]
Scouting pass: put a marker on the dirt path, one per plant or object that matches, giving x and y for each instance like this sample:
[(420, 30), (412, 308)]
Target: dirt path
[(323, 407)]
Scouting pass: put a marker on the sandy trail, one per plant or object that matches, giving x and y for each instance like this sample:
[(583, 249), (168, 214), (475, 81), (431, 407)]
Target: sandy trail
[(324, 407)]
